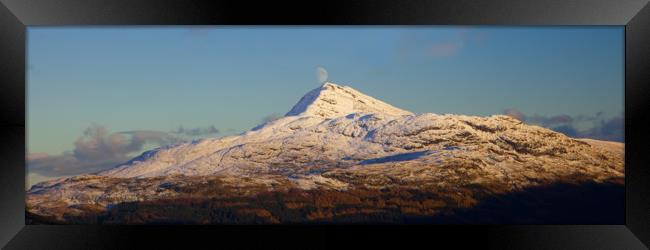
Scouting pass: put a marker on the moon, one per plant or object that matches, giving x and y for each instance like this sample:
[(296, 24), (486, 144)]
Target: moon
[(321, 74)]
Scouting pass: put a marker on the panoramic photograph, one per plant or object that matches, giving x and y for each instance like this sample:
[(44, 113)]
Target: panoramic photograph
[(250, 125)]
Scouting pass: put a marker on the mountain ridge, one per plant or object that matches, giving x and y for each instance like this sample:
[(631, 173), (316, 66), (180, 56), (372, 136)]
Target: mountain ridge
[(337, 138)]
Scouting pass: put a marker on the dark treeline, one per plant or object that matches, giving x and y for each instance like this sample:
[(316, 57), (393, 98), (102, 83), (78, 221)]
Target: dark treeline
[(589, 203)]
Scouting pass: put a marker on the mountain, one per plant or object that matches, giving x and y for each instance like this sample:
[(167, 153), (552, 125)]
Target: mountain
[(332, 101), (337, 138)]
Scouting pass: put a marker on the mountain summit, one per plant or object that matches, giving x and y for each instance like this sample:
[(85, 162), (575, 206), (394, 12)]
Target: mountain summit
[(331, 101), (337, 138)]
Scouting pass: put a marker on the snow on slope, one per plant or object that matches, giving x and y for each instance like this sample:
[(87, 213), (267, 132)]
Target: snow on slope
[(338, 127), (331, 101), (224, 155), (338, 138)]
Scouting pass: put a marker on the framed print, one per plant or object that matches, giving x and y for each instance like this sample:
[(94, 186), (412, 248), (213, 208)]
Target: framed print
[(517, 124)]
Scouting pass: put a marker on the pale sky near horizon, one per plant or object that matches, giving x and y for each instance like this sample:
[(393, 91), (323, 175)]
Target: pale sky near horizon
[(160, 78)]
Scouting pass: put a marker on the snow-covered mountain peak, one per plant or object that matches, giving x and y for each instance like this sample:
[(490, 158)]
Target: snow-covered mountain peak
[(331, 100), (337, 138)]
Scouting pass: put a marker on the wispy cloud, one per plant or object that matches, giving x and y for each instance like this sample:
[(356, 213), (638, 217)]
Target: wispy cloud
[(414, 44), (271, 117), (97, 150), (599, 127), (210, 130), (514, 113)]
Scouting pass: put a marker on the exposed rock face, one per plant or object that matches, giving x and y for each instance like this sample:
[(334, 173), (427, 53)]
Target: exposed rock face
[(338, 138)]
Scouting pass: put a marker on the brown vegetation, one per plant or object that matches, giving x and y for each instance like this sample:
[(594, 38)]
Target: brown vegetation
[(359, 205)]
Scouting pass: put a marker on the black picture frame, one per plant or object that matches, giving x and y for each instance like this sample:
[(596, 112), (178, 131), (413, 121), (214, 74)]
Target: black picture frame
[(16, 15)]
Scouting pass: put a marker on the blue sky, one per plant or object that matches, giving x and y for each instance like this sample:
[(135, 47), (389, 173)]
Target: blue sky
[(230, 78)]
